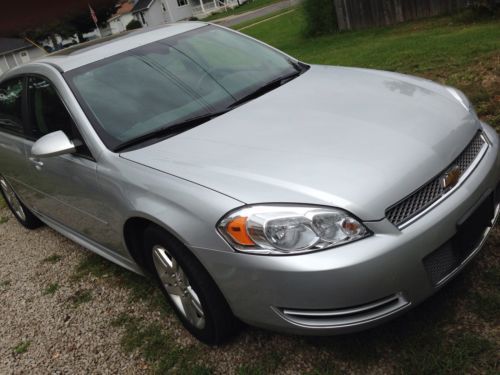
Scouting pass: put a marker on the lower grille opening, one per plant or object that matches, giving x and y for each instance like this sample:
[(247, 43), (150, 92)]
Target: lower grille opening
[(346, 316), (470, 235)]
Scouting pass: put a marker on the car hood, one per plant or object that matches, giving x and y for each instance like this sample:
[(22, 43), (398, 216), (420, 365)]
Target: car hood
[(352, 138)]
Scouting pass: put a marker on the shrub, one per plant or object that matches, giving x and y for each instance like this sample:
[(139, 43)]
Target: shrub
[(321, 17), (477, 11), (134, 24)]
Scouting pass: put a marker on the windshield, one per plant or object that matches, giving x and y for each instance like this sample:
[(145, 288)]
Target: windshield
[(171, 81)]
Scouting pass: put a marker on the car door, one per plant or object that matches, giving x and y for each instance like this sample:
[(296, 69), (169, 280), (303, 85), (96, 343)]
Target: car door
[(13, 140), (66, 187)]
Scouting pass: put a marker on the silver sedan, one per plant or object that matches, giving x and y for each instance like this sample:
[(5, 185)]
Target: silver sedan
[(253, 187)]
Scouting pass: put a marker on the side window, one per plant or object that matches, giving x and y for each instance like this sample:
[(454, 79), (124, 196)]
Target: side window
[(48, 113), (11, 94)]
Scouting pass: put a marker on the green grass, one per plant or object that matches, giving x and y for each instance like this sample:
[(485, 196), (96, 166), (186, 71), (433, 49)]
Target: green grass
[(51, 289), (463, 55), (247, 7), (22, 347), (80, 297), (141, 288), (253, 22), (416, 46), (5, 283), (54, 258), (158, 348)]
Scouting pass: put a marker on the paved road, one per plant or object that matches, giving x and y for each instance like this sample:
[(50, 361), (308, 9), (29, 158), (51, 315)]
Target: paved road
[(248, 16)]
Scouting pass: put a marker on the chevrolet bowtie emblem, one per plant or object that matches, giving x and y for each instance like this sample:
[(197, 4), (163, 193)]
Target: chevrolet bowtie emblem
[(450, 179)]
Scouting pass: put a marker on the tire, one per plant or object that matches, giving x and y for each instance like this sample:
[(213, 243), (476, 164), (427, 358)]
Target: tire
[(200, 305), (18, 209)]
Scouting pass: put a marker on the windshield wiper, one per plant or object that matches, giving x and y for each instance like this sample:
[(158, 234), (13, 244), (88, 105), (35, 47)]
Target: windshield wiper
[(270, 86), (168, 131), (171, 130)]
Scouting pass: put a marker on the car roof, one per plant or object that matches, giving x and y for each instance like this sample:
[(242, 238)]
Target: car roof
[(98, 49)]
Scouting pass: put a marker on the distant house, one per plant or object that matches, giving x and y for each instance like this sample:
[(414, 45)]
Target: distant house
[(157, 12), (122, 17), (203, 8), (14, 52)]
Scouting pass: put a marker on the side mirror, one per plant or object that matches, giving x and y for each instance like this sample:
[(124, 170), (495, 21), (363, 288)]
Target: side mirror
[(53, 144)]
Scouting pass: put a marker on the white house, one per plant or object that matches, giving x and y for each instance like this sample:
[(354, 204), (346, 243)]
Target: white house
[(119, 21), (203, 8), (14, 52), (157, 12)]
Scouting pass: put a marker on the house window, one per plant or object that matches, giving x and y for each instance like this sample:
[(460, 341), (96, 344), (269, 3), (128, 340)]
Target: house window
[(181, 3)]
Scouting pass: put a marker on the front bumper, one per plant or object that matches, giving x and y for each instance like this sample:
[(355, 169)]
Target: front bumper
[(355, 286)]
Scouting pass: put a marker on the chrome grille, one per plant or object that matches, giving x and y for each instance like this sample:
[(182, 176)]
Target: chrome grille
[(421, 199)]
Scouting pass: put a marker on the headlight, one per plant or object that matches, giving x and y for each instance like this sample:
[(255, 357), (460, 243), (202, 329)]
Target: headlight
[(280, 230)]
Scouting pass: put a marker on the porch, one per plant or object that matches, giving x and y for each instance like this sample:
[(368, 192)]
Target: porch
[(203, 8)]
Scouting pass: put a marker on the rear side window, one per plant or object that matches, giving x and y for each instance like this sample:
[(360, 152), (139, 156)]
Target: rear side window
[(11, 98)]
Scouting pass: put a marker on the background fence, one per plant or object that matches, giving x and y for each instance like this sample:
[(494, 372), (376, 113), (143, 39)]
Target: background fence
[(357, 14)]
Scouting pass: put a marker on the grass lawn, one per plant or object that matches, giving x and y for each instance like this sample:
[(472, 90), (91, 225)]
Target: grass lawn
[(247, 7), (463, 55)]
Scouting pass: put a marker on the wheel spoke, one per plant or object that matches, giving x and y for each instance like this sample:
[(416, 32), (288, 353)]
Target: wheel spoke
[(177, 285), (188, 308), (195, 301), (166, 265)]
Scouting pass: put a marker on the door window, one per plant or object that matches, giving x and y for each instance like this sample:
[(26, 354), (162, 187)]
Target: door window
[(49, 114), (11, 98)]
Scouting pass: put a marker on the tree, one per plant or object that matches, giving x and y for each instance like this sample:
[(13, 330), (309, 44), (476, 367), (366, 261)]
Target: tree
[(321, 17), (134, 24), (77, 22), (82, 22)]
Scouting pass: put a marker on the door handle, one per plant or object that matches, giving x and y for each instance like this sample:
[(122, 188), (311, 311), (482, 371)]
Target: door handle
[(38, 164)]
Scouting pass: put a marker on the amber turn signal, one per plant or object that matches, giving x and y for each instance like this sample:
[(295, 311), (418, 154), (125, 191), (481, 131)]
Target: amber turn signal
[(237, 229)]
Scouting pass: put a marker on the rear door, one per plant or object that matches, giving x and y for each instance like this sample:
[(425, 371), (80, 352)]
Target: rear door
[(13, 139)]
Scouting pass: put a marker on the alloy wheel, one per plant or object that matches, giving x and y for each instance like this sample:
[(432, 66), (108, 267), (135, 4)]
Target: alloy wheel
[(178, 286), (12, 199)]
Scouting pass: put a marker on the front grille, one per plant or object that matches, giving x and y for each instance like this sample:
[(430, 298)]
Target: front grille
[(346, 316), (431, 192)]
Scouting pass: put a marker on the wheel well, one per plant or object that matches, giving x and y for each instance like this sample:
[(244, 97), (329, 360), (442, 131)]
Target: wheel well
[(134, 238), (133, 232)]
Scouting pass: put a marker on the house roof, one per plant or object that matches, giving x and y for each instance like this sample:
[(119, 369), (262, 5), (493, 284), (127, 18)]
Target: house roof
[(12, 44), (142, 5), (124, 8)]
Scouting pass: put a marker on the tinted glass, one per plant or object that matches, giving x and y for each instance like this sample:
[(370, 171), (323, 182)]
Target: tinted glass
[(167, 82), (11, 93), (49, 114)]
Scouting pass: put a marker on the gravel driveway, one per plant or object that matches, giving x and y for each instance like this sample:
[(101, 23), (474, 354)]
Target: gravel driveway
[(63, 335), (66, 311)]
